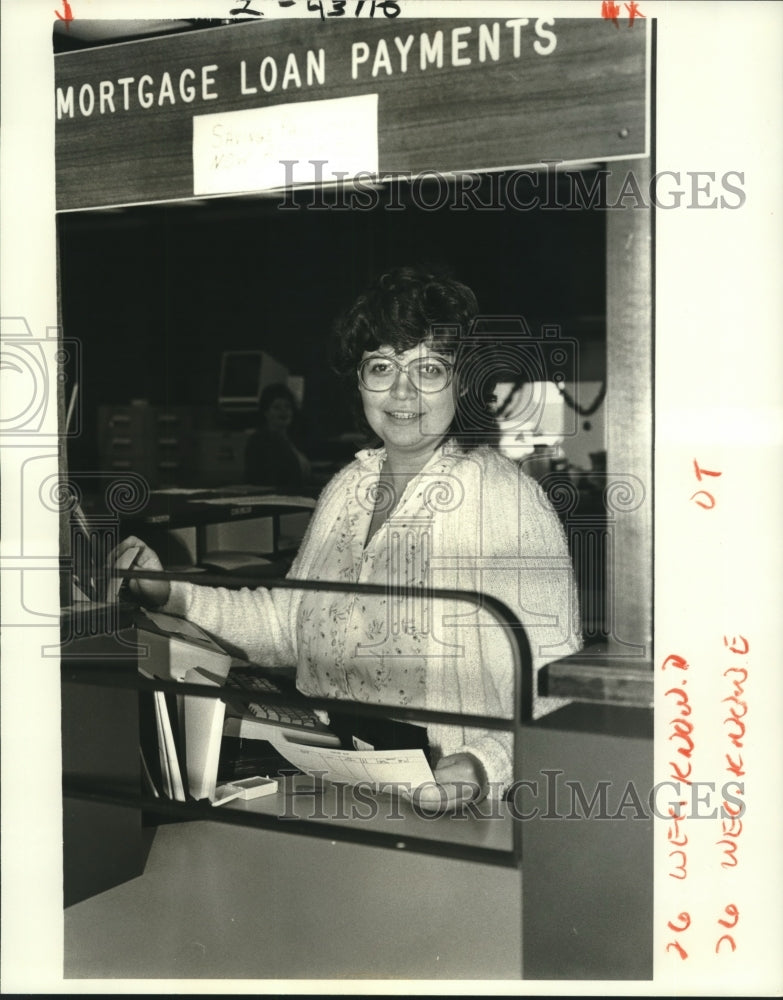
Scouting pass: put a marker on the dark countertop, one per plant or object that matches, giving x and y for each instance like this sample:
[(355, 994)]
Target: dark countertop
[(604, 672)]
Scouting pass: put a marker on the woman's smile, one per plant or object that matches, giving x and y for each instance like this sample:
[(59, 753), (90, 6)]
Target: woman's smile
[(403, 414)]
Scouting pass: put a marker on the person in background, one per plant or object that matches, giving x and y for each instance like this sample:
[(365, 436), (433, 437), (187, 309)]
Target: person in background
[(431, 506), (271, 457)]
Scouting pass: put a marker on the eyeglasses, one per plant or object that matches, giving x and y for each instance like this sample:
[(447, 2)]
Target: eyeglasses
[(425, 374)]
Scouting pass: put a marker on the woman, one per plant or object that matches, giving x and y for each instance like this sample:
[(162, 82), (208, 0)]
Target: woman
[(271, 457), (431, 506)]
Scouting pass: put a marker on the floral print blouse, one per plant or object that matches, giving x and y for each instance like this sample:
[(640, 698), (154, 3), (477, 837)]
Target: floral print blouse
[(467, 521)]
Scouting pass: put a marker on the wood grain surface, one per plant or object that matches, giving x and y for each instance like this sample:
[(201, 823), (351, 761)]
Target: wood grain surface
[(582, 99)]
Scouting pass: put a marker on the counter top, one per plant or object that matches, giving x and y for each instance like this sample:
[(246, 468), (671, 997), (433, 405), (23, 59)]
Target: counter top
[(218, 901), (605, 672)]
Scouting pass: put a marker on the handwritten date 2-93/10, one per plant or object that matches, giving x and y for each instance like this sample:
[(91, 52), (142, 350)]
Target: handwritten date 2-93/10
[(325, 8)]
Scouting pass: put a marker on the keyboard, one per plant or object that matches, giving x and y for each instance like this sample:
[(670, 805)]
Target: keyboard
[(248, 680)]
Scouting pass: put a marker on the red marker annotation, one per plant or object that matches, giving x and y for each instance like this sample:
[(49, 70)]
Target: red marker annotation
[(610, 11), (633, 11), (736, 730), (709, 500), (67, 16)]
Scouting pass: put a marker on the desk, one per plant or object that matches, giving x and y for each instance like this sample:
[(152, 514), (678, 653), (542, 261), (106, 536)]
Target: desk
[(585, 887), (183, 509), (184, 525), (208, 510), (221, 901)]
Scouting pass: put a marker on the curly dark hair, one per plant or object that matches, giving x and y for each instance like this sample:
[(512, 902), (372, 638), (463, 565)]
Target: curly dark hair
[(408, 306)]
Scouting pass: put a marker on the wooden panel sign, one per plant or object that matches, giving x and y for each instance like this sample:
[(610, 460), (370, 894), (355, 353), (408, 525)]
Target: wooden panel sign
[(450, 95)]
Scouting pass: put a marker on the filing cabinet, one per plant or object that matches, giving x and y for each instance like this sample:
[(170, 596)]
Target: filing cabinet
[(159, 443)]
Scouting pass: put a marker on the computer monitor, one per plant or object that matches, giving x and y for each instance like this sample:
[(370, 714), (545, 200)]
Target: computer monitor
[(240, 379), (243, 375)]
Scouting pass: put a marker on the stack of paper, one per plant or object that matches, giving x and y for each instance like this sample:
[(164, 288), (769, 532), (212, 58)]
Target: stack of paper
[(189, 728)]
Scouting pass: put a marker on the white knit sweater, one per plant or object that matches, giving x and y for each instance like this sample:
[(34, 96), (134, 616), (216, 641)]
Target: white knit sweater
[(468, 521)]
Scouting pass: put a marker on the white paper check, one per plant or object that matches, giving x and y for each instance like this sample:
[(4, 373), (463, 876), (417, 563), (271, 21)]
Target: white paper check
[(406, 768)]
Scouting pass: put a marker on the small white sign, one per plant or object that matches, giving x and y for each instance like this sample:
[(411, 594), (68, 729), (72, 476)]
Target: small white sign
[(259, 149)]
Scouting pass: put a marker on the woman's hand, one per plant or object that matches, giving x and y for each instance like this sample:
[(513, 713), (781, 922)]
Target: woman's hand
[(133, 552), (460, 778)]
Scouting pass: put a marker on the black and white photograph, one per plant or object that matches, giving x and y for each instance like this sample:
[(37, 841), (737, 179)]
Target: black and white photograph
[(379, 422)]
